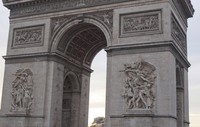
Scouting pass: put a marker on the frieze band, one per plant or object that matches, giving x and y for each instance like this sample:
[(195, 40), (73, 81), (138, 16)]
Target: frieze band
[(52, 6), (140, 23)]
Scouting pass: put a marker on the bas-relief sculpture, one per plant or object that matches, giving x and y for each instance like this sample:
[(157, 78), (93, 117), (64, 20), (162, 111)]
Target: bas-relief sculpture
[(134, 24), (178, 34), (32, 36), (22, 91), (139, 84)]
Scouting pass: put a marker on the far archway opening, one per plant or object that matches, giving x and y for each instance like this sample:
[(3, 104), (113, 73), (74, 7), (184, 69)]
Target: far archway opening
[(97, 87)]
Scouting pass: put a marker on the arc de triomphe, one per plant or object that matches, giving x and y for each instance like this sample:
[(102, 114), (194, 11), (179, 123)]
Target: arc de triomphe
[(51, 46)]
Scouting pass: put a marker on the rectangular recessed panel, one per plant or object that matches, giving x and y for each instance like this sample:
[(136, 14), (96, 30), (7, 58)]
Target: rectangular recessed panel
[(28, 37), (142, 23)]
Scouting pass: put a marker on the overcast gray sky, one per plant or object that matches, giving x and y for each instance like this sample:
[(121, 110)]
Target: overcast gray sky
[(99, 66)]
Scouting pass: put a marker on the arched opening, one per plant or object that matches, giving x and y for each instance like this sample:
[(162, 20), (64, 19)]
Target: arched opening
[(97, 87), (78, 45), (81, 43), (71, 101)]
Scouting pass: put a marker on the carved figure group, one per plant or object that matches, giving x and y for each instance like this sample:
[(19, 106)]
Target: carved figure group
[(133, 24), (28, 36), (22, 89), (140, 79)]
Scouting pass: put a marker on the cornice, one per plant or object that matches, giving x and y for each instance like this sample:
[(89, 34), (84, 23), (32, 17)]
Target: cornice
[(188, 7), (43, 56), (165, 46), (33, 7), (20, 3), (74, 3)]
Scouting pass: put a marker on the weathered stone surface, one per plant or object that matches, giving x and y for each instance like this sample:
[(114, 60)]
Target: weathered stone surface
[(51, 46)]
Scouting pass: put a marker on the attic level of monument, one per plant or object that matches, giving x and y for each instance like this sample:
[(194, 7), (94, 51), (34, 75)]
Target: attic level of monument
[(31, 7)]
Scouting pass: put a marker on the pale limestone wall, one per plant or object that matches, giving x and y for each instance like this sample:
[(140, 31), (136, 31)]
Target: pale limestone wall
[(39, 70), (85, 88), (165, 89)]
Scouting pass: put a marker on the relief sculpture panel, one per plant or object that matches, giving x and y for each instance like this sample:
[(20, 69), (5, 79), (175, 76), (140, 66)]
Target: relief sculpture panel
[(140, 23), (178, 34), (138, 85), (28, 37), (22, 91)]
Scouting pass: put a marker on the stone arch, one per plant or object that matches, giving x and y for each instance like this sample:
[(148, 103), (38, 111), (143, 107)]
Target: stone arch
[(75, 80), (78, 41), (74, 27), (71, 100)]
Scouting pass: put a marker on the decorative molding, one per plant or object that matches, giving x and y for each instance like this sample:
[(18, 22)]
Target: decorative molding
[(28, 37), (140, 23), (138, 86), (19, 9), (57, 22), (105, 16), (22, 92), (178, 35)]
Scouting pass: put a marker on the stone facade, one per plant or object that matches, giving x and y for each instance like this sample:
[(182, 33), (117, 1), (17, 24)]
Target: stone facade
[(51, 46)]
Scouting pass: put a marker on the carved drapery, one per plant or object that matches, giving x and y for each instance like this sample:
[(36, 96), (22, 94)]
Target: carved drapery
[(22, 91), (28, 37), (138, 86)]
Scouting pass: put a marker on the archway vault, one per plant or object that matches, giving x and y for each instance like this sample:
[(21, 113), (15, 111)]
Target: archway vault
[(81, 39)]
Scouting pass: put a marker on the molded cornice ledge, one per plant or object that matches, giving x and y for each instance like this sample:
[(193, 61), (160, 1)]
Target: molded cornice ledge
[(16, 3), (187, 5)]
